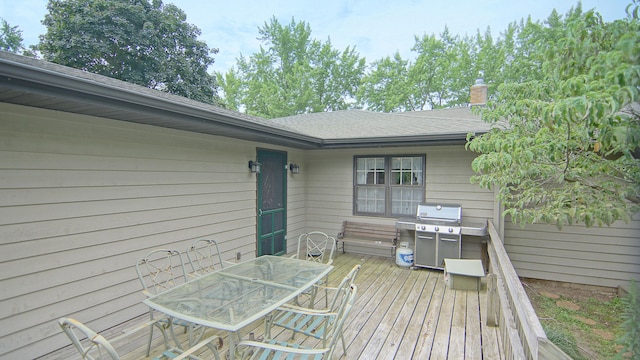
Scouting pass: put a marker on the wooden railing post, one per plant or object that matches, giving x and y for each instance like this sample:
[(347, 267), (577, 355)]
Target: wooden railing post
[(492, 300)]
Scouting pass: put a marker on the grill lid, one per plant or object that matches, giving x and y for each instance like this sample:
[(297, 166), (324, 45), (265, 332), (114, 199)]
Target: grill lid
[(438, 213)]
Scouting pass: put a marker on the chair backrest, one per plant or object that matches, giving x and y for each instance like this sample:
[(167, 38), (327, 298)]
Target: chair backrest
[(344, 285), (316, 246), (160, 270), (204, 257), (90, 345), (334, 329)]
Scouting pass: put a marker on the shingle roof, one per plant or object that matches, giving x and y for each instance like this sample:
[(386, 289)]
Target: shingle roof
[(358, 124), (38, 83)]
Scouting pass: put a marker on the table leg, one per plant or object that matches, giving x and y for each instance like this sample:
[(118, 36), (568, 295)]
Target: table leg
[(231, 353)]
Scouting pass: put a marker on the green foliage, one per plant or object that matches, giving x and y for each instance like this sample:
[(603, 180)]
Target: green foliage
[(565, 142), (10, 37), (564, 340), (439, 77), (630, 339), (388, 87), (142, 42), (292, 74)]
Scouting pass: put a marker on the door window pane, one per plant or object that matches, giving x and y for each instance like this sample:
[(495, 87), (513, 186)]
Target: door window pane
[(267, 222)]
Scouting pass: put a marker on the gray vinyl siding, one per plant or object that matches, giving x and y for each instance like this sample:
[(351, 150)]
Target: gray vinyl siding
[(448, 170), (602, 256), (81, 199), (296, 200)]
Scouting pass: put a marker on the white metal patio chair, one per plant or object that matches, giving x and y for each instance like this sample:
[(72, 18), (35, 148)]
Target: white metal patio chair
[(306, 321), (160, 270), (318, 247), (334, 322), (93, 346), (204, 257)]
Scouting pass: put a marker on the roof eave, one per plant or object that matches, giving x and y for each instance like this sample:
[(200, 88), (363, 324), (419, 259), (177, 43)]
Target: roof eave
[(416, 140), (164, 111), (28, 82)]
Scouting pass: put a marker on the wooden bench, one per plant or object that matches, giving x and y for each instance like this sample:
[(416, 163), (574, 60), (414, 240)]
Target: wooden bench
[(374, 235)]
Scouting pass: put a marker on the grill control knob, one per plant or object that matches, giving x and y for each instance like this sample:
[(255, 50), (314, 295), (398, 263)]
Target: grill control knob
[(437, 228), (450, 230), (423, 227)]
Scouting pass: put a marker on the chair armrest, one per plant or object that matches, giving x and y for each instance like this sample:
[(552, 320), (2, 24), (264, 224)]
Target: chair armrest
[(129, 332), (206, 342), (303, 310), (227, 262), (281, 348)]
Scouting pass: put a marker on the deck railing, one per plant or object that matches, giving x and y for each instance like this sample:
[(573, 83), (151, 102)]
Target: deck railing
[(509, 307)]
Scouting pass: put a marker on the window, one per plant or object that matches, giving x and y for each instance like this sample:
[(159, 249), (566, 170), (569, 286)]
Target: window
[(390, 186)]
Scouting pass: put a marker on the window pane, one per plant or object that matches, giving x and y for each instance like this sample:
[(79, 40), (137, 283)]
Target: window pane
[(406, 171), (370, 200), (404, 200), (370, 171)]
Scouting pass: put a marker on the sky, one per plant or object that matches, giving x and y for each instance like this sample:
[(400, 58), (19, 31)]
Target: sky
[(376, 28)]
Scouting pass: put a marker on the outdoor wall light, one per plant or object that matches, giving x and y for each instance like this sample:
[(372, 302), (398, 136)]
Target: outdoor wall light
[(255, 166), (295, 168)]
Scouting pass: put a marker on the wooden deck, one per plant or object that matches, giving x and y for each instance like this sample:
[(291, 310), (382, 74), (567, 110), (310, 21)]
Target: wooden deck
[(399, 314)]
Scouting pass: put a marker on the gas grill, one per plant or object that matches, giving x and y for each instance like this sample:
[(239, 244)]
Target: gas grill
[(438, 234), (438, 229), (435, 217)]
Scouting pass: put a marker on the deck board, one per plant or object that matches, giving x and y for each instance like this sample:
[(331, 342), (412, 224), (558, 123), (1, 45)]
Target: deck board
[(399, 314), (473, 344), (440, 347), (458, 327)]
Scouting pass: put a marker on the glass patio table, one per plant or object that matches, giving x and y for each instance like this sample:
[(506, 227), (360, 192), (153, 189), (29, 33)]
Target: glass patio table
[(238, 295)]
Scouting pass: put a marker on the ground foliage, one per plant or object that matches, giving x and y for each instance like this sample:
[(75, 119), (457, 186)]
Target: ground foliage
[(630, 338), (585, 323), (565, 143)]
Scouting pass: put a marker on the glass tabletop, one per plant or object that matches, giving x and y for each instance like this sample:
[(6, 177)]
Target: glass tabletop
[(235, 296)]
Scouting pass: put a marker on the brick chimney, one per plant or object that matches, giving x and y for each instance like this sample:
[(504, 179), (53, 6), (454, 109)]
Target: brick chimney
[(479, 93)]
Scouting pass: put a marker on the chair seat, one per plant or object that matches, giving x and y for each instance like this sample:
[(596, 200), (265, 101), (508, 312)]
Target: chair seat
[(309, 324), (332, 322), (276, 349)]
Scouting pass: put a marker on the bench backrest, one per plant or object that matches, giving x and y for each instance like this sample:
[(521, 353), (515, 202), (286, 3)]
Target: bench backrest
[(351, 229)]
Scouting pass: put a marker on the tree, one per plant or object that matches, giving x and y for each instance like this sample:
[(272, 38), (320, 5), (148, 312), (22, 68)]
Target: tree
[(565, 145), (292, 74), (142, 42), (439, 77), (10, 38), (388, 87)]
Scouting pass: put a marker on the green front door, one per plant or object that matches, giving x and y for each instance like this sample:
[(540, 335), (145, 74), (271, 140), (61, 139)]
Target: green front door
[(272, 203)]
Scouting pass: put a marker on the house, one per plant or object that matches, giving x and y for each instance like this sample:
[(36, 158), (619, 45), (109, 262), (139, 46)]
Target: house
[(95, 172)]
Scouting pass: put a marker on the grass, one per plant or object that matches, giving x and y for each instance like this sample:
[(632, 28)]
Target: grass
[(583, 326)]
